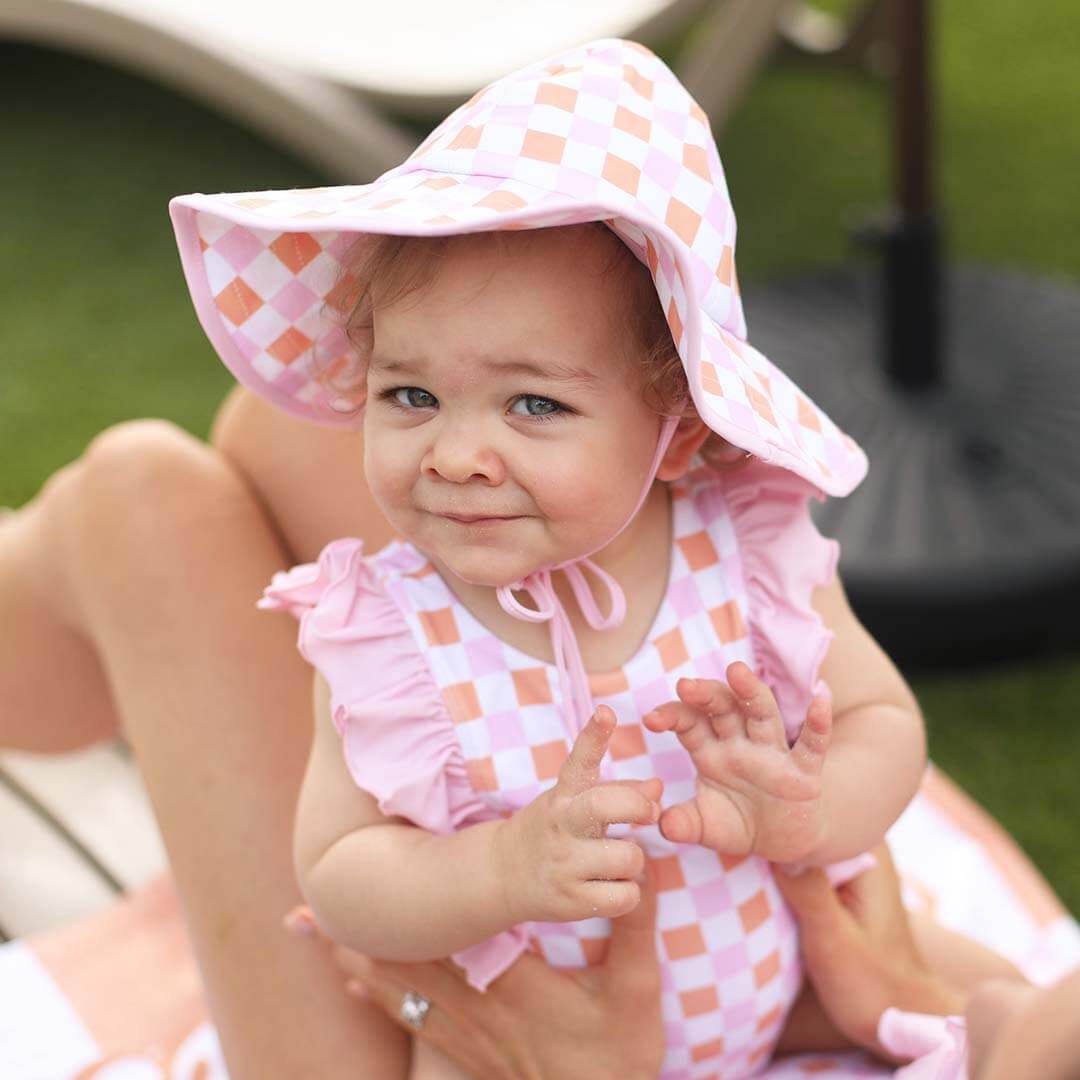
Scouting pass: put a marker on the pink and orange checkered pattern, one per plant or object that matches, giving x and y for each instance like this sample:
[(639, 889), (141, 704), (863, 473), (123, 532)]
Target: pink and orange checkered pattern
[(602, 132), (727, 944)]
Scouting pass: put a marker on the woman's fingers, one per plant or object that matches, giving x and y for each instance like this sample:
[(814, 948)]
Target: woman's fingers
[(449, 1024), (301, 921), (439, 977), (453, 1020), (631, 966), (835, 941), (873, 898), (438, 980), (812, 897)]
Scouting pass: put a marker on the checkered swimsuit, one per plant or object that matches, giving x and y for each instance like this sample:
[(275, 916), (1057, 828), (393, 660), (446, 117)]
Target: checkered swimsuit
[(727, 945)]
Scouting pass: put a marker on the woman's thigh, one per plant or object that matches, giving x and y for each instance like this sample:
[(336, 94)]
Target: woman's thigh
[(54, 693), (309, 478)]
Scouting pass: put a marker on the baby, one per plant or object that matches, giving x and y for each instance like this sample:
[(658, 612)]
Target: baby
[(538, 316)]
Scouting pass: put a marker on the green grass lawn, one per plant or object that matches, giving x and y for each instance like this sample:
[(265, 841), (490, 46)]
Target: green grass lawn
[(98, 327)]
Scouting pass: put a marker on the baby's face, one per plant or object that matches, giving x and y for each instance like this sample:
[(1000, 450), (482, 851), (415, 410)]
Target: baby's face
[(505, 427)]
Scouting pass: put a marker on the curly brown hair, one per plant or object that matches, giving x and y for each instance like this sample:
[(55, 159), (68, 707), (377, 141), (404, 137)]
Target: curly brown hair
[(381, 270)]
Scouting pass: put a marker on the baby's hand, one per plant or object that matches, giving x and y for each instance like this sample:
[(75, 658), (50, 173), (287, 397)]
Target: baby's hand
[(554, 857), (754, 793)]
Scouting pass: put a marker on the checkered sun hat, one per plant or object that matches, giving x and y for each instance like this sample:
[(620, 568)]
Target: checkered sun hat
[(601, 132)]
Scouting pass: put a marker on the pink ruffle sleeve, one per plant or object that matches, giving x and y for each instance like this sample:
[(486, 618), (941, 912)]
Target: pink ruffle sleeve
[(937, 1045), (784, 559), (397, 735)]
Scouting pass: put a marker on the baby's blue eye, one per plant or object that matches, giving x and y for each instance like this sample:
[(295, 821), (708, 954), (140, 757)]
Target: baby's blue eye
[(536, 406), (415, 398)]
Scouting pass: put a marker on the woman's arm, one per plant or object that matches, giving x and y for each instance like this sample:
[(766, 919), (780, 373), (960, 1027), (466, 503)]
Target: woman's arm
[(534, 1022), (861, 955), (391, 890)]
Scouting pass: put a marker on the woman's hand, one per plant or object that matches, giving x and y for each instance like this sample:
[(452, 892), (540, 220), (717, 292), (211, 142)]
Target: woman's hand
[(535, 1022), (554, 856), (754, 793), (859, 951)]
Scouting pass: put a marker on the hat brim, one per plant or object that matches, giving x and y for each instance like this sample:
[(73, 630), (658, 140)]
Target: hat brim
[(263, 267)]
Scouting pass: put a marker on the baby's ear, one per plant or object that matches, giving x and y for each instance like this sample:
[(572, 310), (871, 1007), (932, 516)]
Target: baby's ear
[(690, 434)]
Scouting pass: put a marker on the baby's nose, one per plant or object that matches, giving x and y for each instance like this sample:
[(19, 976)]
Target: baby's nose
[(463, 453)]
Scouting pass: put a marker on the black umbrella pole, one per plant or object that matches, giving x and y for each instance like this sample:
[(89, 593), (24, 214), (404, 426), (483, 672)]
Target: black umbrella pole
[(912, 330), (911, 294)]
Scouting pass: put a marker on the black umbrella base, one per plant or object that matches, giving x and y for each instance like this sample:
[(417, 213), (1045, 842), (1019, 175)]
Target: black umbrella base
[(962, 546)]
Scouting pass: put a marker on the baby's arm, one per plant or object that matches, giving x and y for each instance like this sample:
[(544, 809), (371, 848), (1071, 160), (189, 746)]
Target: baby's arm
[(852, 770), (384, 887), (877, 756)]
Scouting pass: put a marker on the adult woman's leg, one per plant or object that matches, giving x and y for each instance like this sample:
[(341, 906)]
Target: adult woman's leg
[(54, 695), (308, 478), (159, 550), (309, 482)]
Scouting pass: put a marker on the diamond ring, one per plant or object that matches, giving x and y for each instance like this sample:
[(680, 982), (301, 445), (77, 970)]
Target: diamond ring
[(414, 1009)]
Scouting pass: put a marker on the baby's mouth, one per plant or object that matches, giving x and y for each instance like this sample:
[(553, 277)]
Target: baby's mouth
[(480, 519)]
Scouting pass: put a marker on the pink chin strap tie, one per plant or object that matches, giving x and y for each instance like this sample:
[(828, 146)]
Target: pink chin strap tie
[(573, 678)]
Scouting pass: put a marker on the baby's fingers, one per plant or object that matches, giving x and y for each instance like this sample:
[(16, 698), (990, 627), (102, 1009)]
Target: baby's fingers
[(614, 860), (696, 725), (813, 741), (581, 769), (610, 899), (713, 700), (594, 810), (709, 695), (757, 703)]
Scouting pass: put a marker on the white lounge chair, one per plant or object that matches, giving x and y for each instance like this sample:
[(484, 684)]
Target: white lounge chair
[(328, 94)]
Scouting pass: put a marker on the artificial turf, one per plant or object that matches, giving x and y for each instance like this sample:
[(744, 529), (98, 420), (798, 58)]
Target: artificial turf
[(98, 326)]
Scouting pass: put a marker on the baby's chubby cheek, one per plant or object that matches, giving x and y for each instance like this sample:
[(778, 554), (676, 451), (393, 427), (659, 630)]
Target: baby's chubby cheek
[(592, 499), (390, 486)]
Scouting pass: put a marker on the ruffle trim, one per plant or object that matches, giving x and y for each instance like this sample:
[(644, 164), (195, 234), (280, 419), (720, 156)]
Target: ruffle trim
[(397, 735), (937, 1045), (784, 558)]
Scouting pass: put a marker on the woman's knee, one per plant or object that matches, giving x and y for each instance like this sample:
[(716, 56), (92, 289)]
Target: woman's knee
[(157, 512), (147, 470), (135, 447), (131, 478), (308, 477)]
